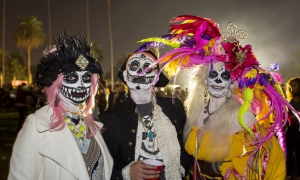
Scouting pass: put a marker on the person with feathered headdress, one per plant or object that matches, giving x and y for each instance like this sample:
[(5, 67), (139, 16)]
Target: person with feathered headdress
[(61, 140), (235, 108)]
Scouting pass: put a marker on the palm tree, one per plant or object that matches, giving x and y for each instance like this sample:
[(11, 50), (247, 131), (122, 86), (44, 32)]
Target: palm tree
[(87, 20), (15, 67), (111, 45), (29, 34), (49, 22), (119, 62), (97, 51), (3, 46)]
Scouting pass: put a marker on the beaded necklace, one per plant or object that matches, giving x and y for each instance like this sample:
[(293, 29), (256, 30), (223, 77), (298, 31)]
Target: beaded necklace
[(78, 129)]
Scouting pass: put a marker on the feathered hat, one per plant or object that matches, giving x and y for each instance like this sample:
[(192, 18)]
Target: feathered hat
[(70, 53), (198, 41)]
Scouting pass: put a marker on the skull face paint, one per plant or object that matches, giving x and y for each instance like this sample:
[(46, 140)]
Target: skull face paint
[(137, 64), (76, 86), (218, 81)]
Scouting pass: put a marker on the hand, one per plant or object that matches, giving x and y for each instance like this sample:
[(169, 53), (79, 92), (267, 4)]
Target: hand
[(142, 171)]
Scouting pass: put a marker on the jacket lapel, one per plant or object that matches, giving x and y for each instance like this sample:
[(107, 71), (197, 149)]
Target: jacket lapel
[(61, 147), (108, 161)]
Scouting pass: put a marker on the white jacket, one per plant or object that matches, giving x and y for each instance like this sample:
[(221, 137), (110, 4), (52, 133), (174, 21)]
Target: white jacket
[(40, 153)]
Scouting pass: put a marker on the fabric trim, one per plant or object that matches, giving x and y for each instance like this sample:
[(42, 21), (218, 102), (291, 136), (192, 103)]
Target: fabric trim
[(167, 143), (126, 171)]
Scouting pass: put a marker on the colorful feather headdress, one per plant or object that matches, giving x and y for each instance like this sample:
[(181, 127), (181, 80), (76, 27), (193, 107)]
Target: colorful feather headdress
[(198, 41)]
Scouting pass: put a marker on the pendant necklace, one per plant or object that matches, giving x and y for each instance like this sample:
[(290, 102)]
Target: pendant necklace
[(147, 123), (148, 126), (210, 113)]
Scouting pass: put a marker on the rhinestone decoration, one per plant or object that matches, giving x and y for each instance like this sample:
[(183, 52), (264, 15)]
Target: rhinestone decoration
[(82, 62)]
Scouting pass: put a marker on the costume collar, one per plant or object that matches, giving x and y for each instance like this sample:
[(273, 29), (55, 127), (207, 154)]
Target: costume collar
[(166, 136), (42, 116)]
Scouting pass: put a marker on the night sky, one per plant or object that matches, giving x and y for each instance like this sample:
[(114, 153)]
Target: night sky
[(272, 25)]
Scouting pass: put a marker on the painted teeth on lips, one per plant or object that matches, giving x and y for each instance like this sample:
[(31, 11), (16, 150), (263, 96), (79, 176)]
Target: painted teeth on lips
[(218, 87)]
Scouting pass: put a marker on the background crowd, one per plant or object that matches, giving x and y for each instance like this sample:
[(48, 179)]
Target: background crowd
[(24, 97)]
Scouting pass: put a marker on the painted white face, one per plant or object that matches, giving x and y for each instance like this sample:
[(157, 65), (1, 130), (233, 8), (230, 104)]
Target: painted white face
[(218, 81), (136, 64), (76, 86)]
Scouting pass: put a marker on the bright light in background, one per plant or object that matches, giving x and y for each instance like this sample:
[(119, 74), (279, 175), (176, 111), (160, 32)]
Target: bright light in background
[(265, 42), (182, 80)]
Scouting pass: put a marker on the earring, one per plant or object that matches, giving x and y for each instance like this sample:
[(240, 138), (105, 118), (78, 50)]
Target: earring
[(56, 101), (205, 96)]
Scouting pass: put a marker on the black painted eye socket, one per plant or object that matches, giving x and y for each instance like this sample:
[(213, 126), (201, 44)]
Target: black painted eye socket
[(213, 74), (87, 77), (146, 65), (225, 75), (71, 78), (134, 65)]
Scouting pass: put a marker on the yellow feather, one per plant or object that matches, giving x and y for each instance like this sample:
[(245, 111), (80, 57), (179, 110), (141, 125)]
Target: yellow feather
[(173, 44), (172, 67)]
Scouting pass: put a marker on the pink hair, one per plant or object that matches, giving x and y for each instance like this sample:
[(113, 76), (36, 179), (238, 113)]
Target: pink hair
[(52, 93), (89, 106), (57, 119)]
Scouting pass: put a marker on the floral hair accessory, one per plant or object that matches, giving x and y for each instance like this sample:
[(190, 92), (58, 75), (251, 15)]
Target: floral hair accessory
[(238, 57)]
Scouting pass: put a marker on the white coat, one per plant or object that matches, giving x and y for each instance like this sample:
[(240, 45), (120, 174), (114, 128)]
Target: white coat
[(40, 153)]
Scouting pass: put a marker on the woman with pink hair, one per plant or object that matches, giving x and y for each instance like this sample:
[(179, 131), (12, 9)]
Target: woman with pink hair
[(61, 140)]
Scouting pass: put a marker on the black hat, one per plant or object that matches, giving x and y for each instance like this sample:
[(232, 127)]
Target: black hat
[(162, 81), (70, 53)]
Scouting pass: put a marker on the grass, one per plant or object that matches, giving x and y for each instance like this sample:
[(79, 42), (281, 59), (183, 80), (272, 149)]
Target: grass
[(9, 119)]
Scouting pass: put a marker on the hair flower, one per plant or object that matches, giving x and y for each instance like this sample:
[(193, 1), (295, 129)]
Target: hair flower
[(238, 59)]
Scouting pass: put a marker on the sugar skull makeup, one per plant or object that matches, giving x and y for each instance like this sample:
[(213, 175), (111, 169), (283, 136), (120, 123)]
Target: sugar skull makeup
[(218, 81), (137, 64), (76, 86)]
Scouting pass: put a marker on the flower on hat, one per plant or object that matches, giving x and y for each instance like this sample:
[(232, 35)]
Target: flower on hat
[(238, 58)]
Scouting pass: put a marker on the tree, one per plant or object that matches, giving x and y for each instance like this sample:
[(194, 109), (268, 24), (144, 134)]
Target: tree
[(111, 45), (2, 67), (15, 66), (3, 44), (116, 68), (29, 34), (97, 51)]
